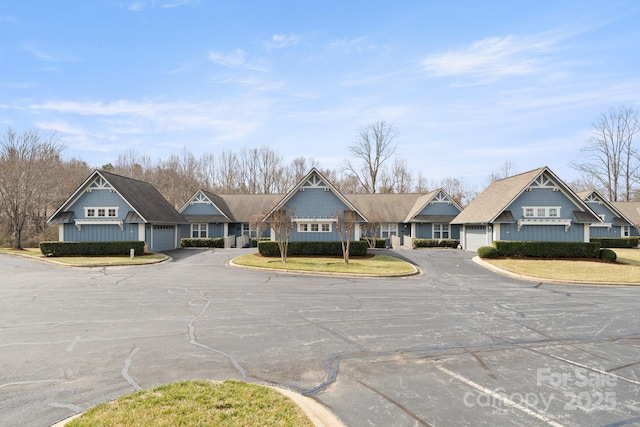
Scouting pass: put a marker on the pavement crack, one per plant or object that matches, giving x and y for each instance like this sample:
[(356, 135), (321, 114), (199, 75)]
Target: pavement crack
[(193, 341), (125, 370), (396, 403)]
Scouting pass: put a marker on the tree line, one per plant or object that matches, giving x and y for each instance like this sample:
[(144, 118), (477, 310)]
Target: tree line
[(35, 179)]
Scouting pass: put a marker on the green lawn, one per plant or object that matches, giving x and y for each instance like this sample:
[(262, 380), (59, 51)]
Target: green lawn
[(197, 403), (376, 265), (88, 261), (625, 270)]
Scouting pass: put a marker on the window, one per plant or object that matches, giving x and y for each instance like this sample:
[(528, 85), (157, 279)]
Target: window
[(199, 231), (100, 212), (388, 230), (440, 231), (541, 211), (625, 231), (314, 227)]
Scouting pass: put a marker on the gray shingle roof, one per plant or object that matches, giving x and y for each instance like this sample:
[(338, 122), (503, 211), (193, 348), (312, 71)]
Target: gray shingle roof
[(144, 198), (630, 210), (384, 207), (490, 204)]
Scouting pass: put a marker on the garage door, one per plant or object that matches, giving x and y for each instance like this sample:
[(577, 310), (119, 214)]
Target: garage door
[(163, 238), (475, 236)]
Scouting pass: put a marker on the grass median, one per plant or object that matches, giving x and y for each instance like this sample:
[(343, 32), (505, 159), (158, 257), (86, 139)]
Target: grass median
[(374, 265), (197, 403), (88, 261), (626, 269)]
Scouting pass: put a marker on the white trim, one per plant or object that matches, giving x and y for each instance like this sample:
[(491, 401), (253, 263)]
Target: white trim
[(141, 232), (586, 235), (308, 226), (544, 221), (80, 222), (199, 230), (61, 232), (536, 209)]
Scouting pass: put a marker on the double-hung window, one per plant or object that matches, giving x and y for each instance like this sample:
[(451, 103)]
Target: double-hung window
[(199, 231), (440, 231)]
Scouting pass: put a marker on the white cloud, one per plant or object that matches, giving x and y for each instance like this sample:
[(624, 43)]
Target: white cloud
[(228, 59), (278, 41), (491, 57), (48, 56), (136, 6)]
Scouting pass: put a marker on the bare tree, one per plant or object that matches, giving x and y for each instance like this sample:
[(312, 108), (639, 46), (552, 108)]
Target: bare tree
[(611, 157), (28, 167), (345, 224), (228, 173), (459, 190), (505, 170), (281, 222), (397, 179), (371, 229), (372, 149)]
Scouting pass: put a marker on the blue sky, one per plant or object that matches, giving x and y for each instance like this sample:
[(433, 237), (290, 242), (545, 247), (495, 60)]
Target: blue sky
[(468, 84)]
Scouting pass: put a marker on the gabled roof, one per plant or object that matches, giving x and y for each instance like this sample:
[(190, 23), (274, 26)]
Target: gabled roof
[(424, 200), (244, 206), (631, 211), (143, 198), (497, 197), (594, 195), (384, 207), (306, 178)]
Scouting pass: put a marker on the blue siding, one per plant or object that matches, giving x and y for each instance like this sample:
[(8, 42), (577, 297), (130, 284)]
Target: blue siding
[(315, 202), (201, 209), (543, 197), (423, 231), (543, 233), (439, 209), (100, 233), (100, 199), (613, 231), (297, 236)]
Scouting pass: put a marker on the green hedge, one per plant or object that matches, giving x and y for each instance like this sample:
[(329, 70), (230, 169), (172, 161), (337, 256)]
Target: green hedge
[(217, 242), (254, 242), (436, 243), (619, 242), (270, 249), (380, 243), (488, 252), (608, 255), (91, 248), (513, 248)]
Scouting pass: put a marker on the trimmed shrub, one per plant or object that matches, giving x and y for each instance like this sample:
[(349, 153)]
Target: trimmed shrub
[(213, 242), (616, 242), (270, 249), (436, 243), (488, 252), (380, 243), (608, 255), (514, 248), (91, 248), (254, 242)]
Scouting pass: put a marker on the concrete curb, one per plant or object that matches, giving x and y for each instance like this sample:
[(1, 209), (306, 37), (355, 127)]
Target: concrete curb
[(319, 415), (506, 273), (416, 271)]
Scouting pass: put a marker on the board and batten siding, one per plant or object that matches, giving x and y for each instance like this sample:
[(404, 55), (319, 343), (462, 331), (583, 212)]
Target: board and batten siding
[(100, 233), (200, 209)]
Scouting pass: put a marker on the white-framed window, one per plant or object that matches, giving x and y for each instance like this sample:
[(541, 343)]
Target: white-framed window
[(625, 231), (247, 231), (199, 231), (440, 231), (388, 230), (106, 212), (541, 211), (314, 227)]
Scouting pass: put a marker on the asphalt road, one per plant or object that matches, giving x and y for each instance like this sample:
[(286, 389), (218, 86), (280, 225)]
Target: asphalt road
[(458, 345)]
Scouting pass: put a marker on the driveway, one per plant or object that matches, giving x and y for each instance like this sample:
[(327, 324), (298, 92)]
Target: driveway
[(458, 345)]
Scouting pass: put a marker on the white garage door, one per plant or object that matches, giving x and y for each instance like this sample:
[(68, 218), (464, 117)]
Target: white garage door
[(475, 236)]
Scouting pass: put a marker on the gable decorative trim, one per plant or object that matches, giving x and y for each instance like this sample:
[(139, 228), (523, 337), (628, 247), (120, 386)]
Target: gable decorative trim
[(544, 221)]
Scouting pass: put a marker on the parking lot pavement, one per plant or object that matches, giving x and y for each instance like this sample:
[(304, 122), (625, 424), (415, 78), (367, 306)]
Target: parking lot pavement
[(457, 345)]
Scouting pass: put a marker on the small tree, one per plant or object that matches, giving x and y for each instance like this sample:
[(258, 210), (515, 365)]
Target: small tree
[(281, 222), (28, 166), (371, 230), (256, 223), (345, 224)]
